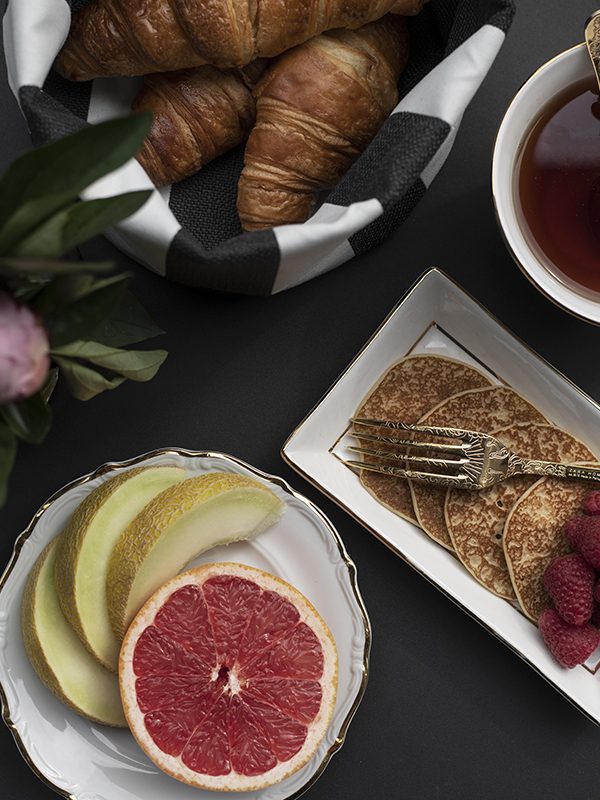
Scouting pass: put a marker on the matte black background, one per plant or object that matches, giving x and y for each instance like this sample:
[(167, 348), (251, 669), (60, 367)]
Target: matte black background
[(449, 711)]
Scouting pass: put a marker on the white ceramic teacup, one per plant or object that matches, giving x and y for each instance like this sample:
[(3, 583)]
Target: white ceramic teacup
[(553, 77)]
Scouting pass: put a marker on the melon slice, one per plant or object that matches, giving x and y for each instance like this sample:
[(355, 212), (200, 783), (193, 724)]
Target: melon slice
[(180, 524), (61, 661), (86, 547), (228, 678)]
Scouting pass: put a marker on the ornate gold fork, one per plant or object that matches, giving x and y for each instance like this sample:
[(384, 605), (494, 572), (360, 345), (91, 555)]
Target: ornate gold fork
[(466, 459)]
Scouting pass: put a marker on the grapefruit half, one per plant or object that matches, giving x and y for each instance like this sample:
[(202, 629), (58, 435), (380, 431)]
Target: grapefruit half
[(228, 678)]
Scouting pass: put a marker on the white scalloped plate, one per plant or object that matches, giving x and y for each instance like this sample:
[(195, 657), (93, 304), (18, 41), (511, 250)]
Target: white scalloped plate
[(84, 761)]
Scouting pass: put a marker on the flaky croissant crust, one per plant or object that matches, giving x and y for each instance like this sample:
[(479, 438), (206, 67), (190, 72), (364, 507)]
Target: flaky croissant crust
[(198, 114), (318, 107), (136, 37)]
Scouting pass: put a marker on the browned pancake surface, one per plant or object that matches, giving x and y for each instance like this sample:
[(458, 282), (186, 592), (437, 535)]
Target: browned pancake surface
[(533, 536), (408, 390), (475, 520), (483, 410)]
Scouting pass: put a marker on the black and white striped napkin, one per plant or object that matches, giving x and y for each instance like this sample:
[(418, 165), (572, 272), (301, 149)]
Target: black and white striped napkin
[(189, 232)]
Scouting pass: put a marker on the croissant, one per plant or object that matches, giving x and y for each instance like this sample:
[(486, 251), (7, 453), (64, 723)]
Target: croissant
[(136, 37), (198, 115), (318, 107)]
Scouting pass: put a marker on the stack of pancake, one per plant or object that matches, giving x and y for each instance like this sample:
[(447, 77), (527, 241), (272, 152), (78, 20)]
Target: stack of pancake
[(505, 536)]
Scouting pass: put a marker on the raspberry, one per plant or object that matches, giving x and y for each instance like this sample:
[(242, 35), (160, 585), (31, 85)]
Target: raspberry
[(588, 540), (570, 583), (595, 620), (591, 504), (572, 530), (569, 644)]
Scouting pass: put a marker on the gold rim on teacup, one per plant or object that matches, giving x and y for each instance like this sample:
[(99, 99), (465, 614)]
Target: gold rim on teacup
[(557, 74)]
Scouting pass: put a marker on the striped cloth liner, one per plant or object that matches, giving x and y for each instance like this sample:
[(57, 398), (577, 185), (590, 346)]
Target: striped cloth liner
[(189, 232)]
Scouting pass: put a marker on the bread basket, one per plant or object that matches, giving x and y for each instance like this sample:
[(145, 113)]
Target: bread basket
[(190, 232)]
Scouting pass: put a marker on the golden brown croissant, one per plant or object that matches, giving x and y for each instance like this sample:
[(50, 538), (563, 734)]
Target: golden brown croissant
[(198, 115), (136, 37), (318, 107)]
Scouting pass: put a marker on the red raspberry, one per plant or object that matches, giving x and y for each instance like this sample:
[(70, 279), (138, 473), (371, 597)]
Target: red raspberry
[(595, 620), (572, 530), (588, 540), (570, 583), (591, 504), (569, 644)]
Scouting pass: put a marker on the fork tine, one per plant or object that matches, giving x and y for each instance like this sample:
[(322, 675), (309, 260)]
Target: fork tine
[(427, 477), (450, 433), (406, 459), (443, 448)]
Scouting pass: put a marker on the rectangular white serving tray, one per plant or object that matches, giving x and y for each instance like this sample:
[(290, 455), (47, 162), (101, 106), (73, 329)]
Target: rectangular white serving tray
[(437, 316)]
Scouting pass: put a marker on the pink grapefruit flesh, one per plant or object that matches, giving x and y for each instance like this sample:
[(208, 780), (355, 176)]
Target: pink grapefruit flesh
[(228, 678)]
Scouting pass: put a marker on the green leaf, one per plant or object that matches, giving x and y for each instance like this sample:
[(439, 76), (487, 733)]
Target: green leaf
[(84, 382), (65, 167), (26, 287), (92, 217), (27, 217), (8, 451), (12, 266), (25, 292), (69, 322), (62, 290), (137, 365), (78, 223), (28, 419), (50, 385), (130, 323), (45, 240)]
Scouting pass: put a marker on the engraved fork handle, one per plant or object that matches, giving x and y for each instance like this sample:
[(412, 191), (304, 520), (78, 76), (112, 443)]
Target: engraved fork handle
[(524, 466)]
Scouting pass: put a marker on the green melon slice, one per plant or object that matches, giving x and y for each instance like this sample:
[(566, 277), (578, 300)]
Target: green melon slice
[(180, 524), (86, 547), (61, 661)]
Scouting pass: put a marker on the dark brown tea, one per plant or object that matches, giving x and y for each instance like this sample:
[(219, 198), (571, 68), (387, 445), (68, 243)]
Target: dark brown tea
[(559, 185)]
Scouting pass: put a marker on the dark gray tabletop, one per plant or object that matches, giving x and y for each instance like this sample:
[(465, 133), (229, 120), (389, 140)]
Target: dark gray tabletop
[(449, 711)]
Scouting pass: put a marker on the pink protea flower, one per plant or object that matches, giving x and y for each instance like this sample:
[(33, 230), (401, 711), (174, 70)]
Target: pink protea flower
[(24, 359)]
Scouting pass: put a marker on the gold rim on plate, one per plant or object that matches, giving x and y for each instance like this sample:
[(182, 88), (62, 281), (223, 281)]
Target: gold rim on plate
[(435, 271), (274, 479)]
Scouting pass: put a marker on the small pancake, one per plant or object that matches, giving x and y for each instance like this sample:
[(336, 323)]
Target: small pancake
[(407, 390), (482, 410), (533, 536), (475, 520)]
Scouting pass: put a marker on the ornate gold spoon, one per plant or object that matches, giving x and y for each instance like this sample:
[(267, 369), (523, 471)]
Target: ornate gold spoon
[(592, 40)]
